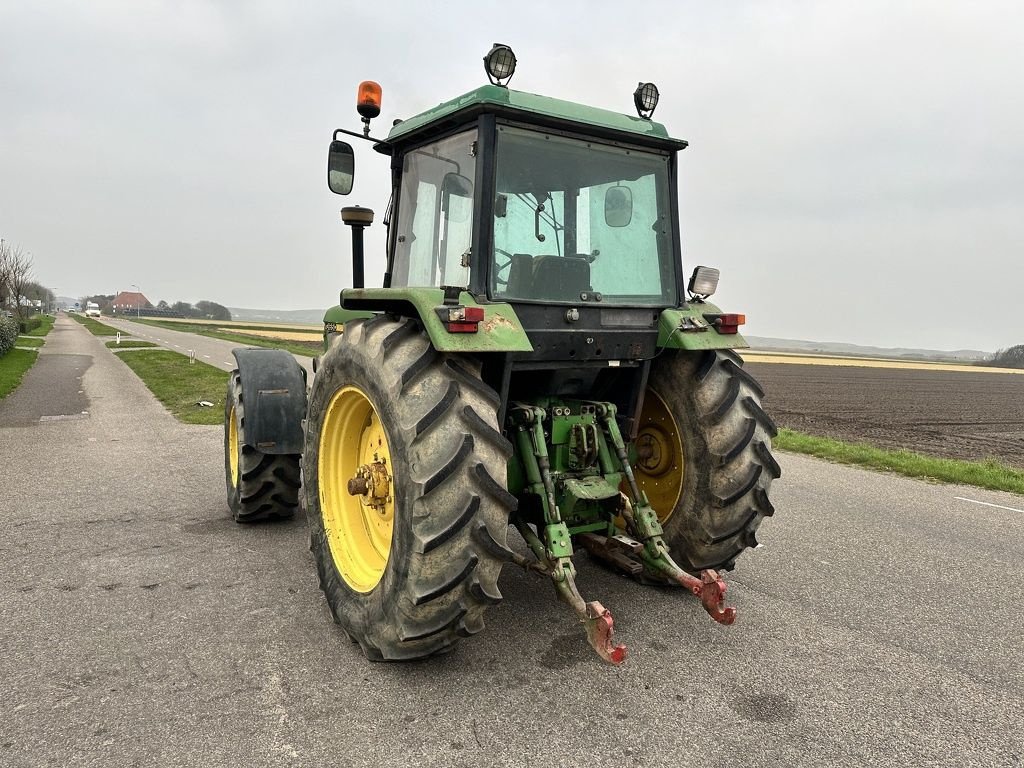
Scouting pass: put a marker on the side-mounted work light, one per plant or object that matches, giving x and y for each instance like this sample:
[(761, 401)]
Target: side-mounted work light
[(703, 282), (645, 97), (500, 64)]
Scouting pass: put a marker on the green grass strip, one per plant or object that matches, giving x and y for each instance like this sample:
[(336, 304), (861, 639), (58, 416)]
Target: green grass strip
[(13, 366), (29, 341), (44, 328), (990, 474), (97, 328), (179, 385), (306, 348), (130, 344)]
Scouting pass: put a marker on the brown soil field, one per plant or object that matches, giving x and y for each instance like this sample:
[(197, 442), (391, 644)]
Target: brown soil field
[(953, 414)]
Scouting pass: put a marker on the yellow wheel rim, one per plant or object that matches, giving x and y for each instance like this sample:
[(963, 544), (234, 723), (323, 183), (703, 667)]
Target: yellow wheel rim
[(659, 465), (359, 535), (233, 447)]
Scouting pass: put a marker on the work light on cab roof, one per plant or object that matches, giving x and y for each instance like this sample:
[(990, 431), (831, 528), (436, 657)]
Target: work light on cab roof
[(500, 64), (645, 98)]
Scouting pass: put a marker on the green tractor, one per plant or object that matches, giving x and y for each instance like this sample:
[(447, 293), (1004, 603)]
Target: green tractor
[(535, 360)]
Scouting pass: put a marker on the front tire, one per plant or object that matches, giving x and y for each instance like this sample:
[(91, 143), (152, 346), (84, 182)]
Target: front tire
[(408, 577), (705, 459), (260, 486)]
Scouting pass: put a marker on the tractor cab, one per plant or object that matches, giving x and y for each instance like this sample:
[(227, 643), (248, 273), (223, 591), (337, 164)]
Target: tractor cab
[(564, 214)]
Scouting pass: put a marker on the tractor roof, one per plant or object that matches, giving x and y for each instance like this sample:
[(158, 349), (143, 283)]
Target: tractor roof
[(544, 109)]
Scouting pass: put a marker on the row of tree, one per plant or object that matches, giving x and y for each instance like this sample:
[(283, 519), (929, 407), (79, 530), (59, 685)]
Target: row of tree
[(203, 310), (19, 293), (1013, 357)]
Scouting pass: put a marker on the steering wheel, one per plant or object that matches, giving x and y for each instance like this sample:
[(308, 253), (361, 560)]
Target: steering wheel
[(499, 281)]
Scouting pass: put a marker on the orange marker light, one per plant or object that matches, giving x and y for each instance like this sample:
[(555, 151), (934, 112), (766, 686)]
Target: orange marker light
[(368, 99)]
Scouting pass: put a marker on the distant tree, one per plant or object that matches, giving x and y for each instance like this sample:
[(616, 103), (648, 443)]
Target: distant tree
[(162, 304), (36, 292), (5, 268), (184, 309), (1009, 358), (212, 310), (17, 274)]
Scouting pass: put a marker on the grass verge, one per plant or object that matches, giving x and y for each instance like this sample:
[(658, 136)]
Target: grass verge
[(97, 328), (180, 385), (29, 341), (308, 349), (989, 474), (44, 328), (130, 344), (13, 366)]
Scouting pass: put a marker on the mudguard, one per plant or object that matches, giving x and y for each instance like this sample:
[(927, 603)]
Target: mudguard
[(274, 393), (500, 330), (691, 328)]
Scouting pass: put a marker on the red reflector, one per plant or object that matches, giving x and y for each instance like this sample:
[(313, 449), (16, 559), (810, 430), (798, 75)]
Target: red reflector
[(462, 327), (727, 323), (473, 314)]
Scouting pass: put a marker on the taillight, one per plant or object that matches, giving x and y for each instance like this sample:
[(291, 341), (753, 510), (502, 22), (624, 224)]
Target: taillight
[(727, 323), (461, 319)]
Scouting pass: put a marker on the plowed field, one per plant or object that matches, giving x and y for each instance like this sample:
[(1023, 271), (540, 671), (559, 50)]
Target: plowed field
[(952, 414)]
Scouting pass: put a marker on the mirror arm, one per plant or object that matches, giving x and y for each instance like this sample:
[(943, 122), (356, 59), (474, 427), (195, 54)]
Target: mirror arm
[(357, 135)]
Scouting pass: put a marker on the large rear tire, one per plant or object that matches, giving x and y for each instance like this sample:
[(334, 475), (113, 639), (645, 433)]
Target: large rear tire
[(260, 486), (408, 577), (705, 457)]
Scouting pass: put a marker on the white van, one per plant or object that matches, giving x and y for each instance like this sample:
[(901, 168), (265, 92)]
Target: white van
[(92, 309)]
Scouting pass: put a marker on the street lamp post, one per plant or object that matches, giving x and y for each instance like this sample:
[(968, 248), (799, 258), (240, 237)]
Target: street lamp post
[(138, 304)]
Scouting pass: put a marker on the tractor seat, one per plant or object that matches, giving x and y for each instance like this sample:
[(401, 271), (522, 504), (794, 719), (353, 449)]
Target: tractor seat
[(520, 276), (560, 278)]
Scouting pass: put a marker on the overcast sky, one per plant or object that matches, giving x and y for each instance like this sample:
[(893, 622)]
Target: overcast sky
[(856, 169)]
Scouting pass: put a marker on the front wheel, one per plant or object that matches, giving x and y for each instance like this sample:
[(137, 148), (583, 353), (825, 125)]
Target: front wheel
[(704, 456), (260, 486), (405, 474)]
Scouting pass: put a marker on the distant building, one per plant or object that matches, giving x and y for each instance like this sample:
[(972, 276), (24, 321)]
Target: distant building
[(129, 301)]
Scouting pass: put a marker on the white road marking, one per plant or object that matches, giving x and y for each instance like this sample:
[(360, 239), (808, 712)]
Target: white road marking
[(987, 504), (207, 357), (229, 365)]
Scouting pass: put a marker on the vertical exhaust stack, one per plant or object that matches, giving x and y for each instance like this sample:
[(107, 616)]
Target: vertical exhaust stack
[(358, 218)]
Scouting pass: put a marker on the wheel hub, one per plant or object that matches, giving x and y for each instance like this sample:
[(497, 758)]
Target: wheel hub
[(660, 462), (356, 504)]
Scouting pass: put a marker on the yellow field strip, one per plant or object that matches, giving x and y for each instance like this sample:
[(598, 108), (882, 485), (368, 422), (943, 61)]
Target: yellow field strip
[(283, 335), (226, 324), (855, 362)]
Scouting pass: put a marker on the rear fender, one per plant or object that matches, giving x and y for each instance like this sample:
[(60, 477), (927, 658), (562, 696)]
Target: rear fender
[(274, 394), (689, 327), (500, 330)]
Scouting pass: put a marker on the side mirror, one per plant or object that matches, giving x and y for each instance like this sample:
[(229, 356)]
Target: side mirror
[(456, 185), (341, 167), (618, 206)]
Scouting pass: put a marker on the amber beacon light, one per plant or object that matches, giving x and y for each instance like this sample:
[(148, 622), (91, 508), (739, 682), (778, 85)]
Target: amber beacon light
[(368, 99)]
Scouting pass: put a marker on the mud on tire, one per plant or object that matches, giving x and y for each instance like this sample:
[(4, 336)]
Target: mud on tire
[(451, 508), (728, 465), (260, 486)]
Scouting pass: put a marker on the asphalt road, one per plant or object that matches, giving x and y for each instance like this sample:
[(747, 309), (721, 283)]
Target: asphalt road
[(879, 625), (216, 352)]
